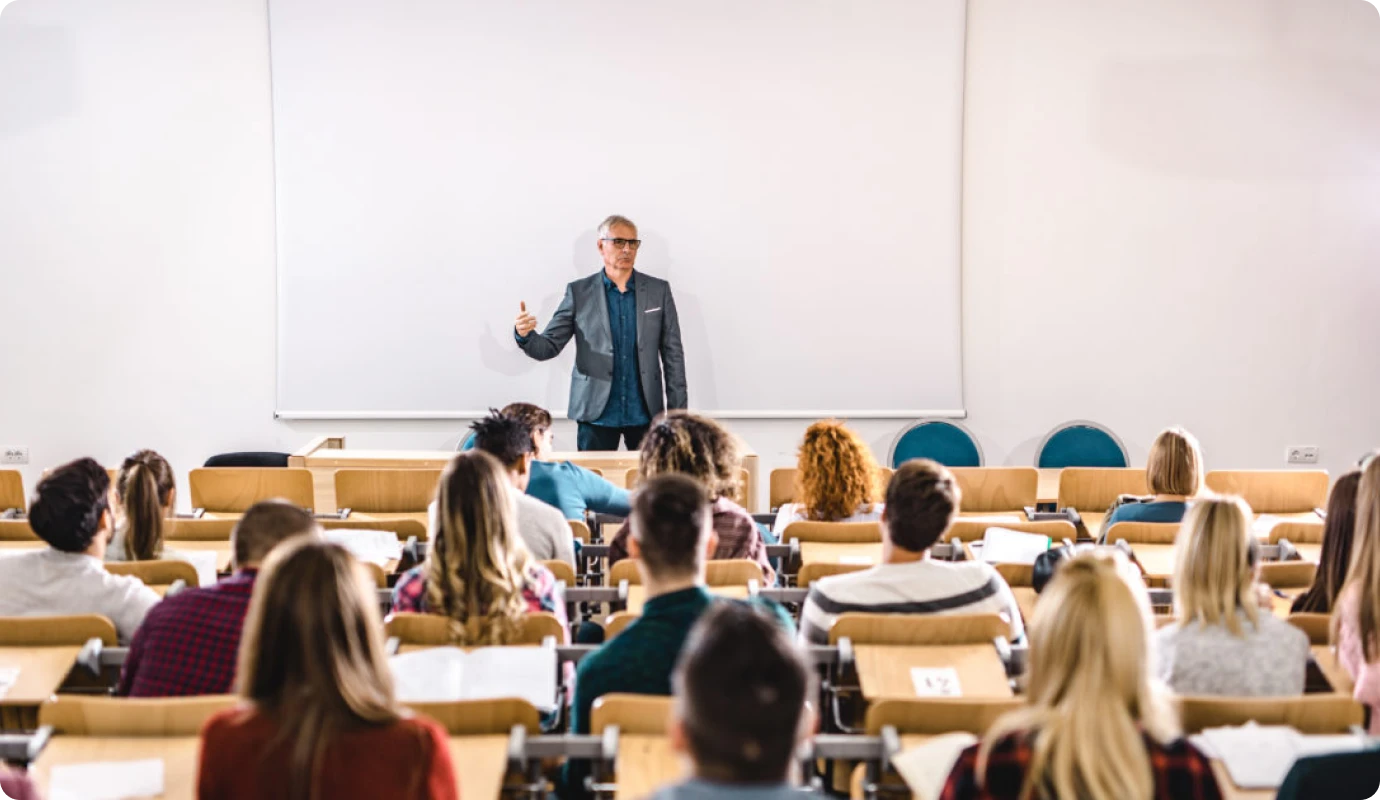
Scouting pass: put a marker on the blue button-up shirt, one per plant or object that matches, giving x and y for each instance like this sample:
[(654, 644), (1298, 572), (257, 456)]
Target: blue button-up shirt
[(626, 407)]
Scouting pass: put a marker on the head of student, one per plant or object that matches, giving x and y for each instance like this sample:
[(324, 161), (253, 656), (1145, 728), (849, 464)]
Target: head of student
[(618, 243), (1090, 694), (688, 444), (477, 567), (509, 440), (672, 531), (147, 492), (71, 508), (836, 475), (1363, 576), (539, 420), (741, 688), (1215, 556), (1174, 467), (921, 502), (312, 657), (264, 526), (1335, 558)]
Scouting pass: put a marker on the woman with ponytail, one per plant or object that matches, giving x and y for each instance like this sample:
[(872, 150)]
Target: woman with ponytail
[(1095, 728), (147, 494)]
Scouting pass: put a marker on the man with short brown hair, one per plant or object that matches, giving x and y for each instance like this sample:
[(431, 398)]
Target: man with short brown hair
[(921, 503)]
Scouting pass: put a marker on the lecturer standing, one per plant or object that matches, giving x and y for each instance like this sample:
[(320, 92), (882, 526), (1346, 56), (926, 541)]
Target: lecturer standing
[(626, 334)]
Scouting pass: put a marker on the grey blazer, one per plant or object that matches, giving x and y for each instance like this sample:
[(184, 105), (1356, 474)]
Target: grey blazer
[(584, 314)]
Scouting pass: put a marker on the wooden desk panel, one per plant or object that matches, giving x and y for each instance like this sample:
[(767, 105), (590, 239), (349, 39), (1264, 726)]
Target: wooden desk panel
[(41, 671), (1047, 490), (1332, 669), (481, 763), (645, 763), (1158, 559), (884, 670), (637, 595), (1025, 600), (179, 755), (839, 553)]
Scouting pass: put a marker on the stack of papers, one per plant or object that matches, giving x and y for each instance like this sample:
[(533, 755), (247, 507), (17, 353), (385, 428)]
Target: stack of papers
[(375, 547), (1005, 546), (1259, 756), (443, 674), (936, 682), (9, 676), (107, 780), (925, 768)]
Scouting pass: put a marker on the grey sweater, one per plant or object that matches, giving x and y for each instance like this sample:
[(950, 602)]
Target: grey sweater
[(1270, 660)]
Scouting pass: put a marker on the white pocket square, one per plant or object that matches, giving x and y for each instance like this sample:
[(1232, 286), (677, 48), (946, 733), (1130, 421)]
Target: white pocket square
[(650, 310)]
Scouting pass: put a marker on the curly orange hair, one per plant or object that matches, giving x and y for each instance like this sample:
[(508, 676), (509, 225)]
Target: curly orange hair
[(836, 475)]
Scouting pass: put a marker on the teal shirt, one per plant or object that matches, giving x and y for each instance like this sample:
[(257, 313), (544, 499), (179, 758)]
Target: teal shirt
[(640, 661), (1168, 511), (573, 489)]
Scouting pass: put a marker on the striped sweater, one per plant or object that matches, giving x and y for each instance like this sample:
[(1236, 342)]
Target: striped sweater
[(921, 587)]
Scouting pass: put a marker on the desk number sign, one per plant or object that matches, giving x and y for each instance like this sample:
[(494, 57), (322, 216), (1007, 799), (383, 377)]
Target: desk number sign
[(935, 682)]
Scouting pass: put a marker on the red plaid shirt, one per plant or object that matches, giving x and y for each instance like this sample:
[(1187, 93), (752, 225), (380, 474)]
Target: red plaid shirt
[(1181, 771), (189, 642)]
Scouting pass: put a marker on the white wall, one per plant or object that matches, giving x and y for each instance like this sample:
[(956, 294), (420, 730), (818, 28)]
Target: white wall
[(137, 240)]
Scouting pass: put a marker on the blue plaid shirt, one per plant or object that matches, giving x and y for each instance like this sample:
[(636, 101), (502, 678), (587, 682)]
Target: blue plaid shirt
[(626, 407)]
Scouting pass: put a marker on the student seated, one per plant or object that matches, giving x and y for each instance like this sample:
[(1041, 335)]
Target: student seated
[(672, 536), (1222, 642), (1336, 548), (1175, 473), (541, 527), (188, 643), (569, 487), (1095, 727), (71, 512), (477, 569), (742, 691), (147, 494), (319, 718), (687, 444), (836, 479), (16, 785), (922, 500), (1356, 624)]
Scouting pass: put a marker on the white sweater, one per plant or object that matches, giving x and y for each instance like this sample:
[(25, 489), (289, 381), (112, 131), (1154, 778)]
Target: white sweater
[(48, 582)]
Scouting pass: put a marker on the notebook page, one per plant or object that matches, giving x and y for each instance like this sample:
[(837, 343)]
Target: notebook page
[(203, 561), (1256, 756), (525, 672), (106, 780), (1003, 546), (436, 674), (375, 547), (925, 768)]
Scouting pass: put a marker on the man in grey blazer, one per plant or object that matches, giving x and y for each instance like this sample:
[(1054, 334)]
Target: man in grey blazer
[(627, 334)]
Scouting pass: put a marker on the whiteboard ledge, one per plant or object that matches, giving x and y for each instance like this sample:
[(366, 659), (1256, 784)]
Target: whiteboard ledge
[(443, 415)]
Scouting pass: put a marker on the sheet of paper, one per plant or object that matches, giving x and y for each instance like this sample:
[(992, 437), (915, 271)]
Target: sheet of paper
[(106, 780), (376, 547), (9, 676), (203, 561), (1004, 546), (935, 682), (1256, 756), (433, 675), (925, 768), (525, 672)]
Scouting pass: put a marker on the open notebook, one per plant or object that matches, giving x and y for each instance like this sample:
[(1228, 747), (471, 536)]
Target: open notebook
[(107, 780), (440, 674), (376, 547), (1004, 546), (1259, 756), (926, 767)]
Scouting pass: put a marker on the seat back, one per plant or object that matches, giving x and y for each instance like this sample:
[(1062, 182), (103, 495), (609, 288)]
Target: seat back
[(1273, 491), (781, 487), (1080, 444), (632, 713), (838, 532), (1288, 574), (434, 629), (17, 530), (625, 570), (386, 491), (1142, 532), (200, 530), (77, 715), (11, 490), (158, 574), (918, 629), (717, 572), (938, 715), (579, 530), (941, 440), (75, 629), (813, 571), (1016, 574), (1095, 489), (561, 570), (257, 458), (616, 622), (234, 489), (973, 530), (1298, 532), (987, 489), (482, 717), (1309, 713), (1317, 626)]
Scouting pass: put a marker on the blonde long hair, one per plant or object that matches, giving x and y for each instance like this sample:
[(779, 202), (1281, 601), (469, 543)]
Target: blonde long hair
[(1090, 692), (1363, 576), (312, 656), (836, 475), (1214, 564), (477, 568)]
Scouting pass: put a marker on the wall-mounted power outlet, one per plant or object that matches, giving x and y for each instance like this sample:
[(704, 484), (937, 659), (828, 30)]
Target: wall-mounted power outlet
[(12, 454), (1302, 454)]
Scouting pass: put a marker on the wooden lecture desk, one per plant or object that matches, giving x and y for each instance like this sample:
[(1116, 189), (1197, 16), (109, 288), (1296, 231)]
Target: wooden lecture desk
[(862, 553), (1337, 676), (644, 764), (884, 670), (41, 671), (326, 454)]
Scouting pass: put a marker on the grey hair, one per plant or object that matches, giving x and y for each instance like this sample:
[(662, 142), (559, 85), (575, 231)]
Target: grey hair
[(615, 219)]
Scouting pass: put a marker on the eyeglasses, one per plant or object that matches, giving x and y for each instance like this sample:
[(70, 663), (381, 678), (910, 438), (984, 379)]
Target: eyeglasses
[(619, 244)]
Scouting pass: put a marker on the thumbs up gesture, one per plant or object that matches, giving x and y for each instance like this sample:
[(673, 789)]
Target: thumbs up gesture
[(526, 323)]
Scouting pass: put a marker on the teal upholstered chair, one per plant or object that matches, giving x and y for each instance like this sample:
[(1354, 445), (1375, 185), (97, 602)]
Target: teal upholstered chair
[(1081, 444), (944, 441)]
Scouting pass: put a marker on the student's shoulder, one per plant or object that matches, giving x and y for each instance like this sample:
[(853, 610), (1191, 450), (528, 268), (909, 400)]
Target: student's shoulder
[(544, 514), (1286, 634), (237, 722)]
